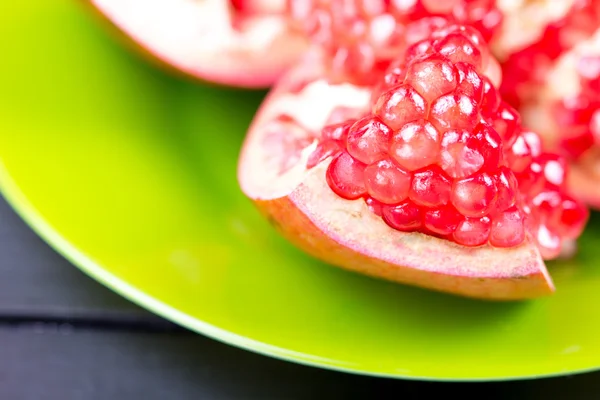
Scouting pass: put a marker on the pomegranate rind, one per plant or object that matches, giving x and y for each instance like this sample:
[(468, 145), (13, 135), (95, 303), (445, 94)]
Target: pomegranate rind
[(197, 39), (347, 234)]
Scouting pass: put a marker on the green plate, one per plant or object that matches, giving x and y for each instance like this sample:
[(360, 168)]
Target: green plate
[(131, 175)]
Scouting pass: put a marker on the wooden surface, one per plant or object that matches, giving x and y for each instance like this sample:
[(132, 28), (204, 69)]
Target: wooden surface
[(63, 336)]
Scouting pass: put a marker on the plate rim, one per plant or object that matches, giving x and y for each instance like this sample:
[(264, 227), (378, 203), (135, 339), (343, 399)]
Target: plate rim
[(19, 202)]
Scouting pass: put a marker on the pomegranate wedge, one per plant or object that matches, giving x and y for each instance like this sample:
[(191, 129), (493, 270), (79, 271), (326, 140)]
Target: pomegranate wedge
[(239, 43), (425, 178), (299, 202)]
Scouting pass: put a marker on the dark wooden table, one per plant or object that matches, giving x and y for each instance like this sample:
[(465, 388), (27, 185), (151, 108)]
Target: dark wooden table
[(64, 336)]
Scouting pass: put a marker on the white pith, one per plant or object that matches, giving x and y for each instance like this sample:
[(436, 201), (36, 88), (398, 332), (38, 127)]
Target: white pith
[(197, 37)]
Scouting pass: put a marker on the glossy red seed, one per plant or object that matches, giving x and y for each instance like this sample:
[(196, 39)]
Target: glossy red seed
[(482, 14), (432, 77), (573, 217), (345, 176), (470, 82), (519, 156), (534, 142), (416, 145), (454, 111), (548, 241), (546, 205), (486, 141), (395, 74), (577, 142), (442, 221), (419, 50), (507, 124), (458, 159), (457, 48), (507, 229), (374, 206), (399, 106), (531, 181), (386, 182), (474, 196), (430, 187), (338, 131), (324, 150), (508, 188), (368, 140), (403, 217), (554, 168), (473, 231), (491, 99)]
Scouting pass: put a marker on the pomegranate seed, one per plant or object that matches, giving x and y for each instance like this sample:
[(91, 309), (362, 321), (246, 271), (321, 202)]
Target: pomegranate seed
[(432, 77), (404, 217), (474, 196), (368, 140), (457, 158), (395, 74), (324, 150), (454, 111), (573, 217), (386, 182), (507, 123), (345, 176), (430, 188), (548, 242), (534, 142), (459, 48), (577, 142), (547, 205), (491, 99), (520, 156), (338, 132), (507, 229), (507, 186), (531, 180), (374, 206), (419, 50), (487, 142), (483, 14), (555, 168), (473, 231), (416, 145), (442, 221), (473, 35), (470, 83), (399, 106)]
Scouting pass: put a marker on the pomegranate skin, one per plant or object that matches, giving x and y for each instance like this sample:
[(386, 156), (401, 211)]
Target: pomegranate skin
[(440, 269)]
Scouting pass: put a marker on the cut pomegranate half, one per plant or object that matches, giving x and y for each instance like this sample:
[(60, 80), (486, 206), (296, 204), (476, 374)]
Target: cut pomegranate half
[(231, 42), (340, 227)]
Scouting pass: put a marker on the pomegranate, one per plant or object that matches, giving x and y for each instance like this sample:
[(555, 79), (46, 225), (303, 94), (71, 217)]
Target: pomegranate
[(238, 42), (425, 177)]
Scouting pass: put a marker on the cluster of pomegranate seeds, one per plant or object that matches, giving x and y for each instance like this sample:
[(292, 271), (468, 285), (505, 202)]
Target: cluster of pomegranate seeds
[(528, 67), (578, 116), (362, 36), (442, 154)]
